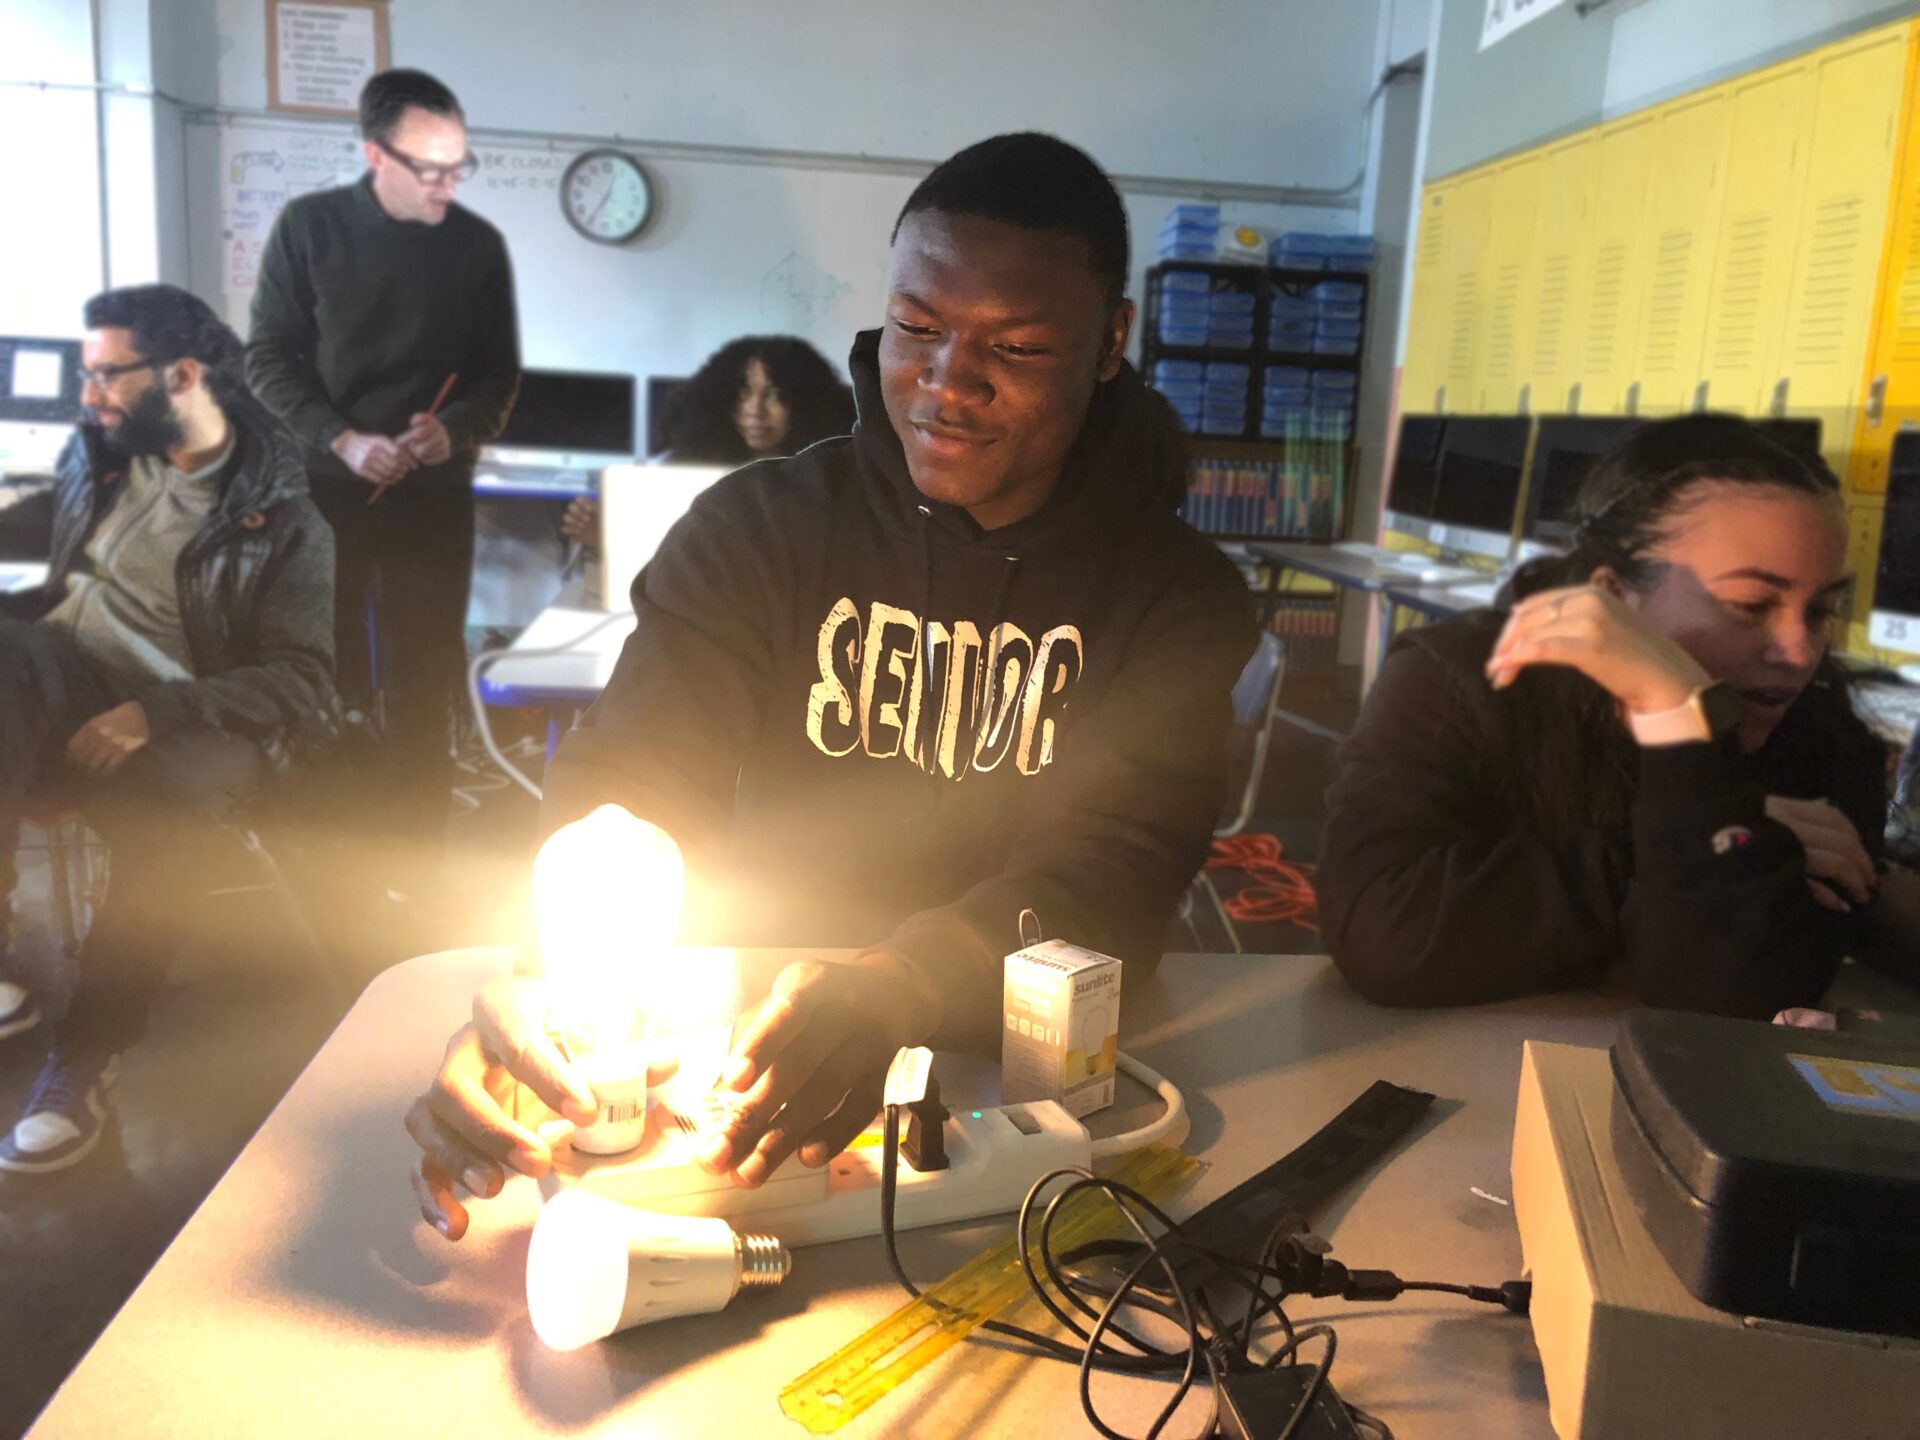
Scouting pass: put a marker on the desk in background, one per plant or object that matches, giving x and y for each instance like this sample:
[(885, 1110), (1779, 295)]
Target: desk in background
[(307, 1298), (18, 575), (560, 662)]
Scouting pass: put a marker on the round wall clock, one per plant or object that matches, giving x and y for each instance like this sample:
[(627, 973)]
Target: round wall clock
[(607, 196)]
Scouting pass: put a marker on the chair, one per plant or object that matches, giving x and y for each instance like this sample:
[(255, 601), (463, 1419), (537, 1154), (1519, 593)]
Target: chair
[(80, 870), (76, 864), (1256, 703)]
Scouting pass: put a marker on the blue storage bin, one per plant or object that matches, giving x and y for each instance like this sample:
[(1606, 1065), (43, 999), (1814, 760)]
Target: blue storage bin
[(1222, 425), (1186, 302), (1344, 381), (1337, 310), (1179, 370), (1331, 345), (1288, 307), (1224, 394), (1194, 212), (1289, 397), (1182, 335), (1302, 242), (1340, 292), (1180, 389), (1230, 339), (1175, 281), (1231, 302), (1228, 371), (1287, 375), (1337, 330), (1186, 250), (1291, 334)]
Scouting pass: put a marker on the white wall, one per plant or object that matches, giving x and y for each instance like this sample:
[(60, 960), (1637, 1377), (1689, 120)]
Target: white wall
[(1565, 72), (1546, 79), (50, 256), (1666, 47), (1222, 92)]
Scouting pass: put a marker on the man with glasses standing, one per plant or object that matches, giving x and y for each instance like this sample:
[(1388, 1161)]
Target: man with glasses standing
[(179, 652), (384, 334)]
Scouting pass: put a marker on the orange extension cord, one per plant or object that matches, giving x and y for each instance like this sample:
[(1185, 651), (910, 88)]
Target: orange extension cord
[(1279, 891)]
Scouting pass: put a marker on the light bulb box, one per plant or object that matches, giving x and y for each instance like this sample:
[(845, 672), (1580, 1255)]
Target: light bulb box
[(1062, 1027)]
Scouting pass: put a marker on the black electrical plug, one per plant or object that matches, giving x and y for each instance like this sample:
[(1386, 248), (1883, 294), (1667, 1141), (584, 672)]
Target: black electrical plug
[(925, 1145)]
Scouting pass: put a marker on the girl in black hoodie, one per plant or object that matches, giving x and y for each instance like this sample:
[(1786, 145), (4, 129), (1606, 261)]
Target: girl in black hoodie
[(1647, 771)]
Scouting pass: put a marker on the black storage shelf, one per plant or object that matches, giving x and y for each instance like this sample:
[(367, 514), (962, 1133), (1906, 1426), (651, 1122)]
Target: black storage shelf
[(1264, 282)]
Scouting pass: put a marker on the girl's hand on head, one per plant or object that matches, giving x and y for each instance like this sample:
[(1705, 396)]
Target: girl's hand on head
[(1587, 629)]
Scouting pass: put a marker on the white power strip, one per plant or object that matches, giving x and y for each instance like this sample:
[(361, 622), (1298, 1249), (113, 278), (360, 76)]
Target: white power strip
[(993, 1156)]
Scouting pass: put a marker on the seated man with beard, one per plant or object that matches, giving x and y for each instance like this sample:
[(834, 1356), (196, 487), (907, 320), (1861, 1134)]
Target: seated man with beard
[(181, 647)]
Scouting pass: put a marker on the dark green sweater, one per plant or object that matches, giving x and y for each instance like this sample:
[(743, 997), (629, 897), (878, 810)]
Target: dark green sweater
[(358, 319)]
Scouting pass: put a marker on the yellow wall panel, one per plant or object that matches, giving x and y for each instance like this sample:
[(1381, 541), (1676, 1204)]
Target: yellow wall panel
[(1685, 188), (1562, 262), (1513, 283), (1852, 138), (1759, 221), (1893, 387), (1467, 282), (1616, 264), (1423, 366)]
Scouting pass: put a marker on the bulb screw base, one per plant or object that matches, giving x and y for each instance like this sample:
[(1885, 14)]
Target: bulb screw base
[(764, 1261)]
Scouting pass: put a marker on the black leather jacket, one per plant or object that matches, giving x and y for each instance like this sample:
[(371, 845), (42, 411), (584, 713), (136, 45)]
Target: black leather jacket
[(255, 587)]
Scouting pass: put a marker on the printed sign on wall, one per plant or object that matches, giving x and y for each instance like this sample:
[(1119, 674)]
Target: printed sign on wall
[(319, 55), (1506, 16)]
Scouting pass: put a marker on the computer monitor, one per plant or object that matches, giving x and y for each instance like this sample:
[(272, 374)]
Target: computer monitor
[(39, 399), (660, 392), (1895, 622), (1482, 460), (639, 504), (570, 420), (1416, 476), (1564, 452)]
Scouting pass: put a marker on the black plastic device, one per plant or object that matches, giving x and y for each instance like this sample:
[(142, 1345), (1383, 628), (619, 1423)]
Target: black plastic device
[(1777, 1169)]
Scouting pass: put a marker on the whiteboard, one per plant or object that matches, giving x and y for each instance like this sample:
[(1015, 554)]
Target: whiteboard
[(734, 249)]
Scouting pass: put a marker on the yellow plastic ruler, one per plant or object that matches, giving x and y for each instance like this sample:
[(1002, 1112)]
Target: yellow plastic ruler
[(850, 1380)]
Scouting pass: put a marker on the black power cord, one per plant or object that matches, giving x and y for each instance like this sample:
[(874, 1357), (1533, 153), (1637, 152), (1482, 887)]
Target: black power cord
[(1292, 1262)]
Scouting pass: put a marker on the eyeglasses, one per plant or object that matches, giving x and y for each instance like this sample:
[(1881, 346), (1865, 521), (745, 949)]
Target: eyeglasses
[(101, 374), (426, 174)]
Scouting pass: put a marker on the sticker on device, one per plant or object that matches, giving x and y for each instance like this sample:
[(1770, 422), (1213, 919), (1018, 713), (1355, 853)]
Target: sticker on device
[(1861, 1087)]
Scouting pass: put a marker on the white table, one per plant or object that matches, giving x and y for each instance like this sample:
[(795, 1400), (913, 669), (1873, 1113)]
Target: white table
[(17, 575), (564, 658), (307, 1298)]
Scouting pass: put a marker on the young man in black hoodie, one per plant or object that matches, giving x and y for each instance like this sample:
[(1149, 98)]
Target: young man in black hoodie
[(180, 649), (896, 690)]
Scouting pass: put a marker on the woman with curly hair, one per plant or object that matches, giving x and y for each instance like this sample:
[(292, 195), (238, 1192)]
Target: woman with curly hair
[(758, 396), (755, 398)]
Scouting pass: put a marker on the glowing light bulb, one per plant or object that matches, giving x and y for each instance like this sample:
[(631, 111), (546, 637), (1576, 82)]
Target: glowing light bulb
[(595, 1267), (607, 892)]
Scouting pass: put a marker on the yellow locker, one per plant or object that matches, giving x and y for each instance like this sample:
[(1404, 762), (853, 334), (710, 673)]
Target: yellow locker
[(1561, 271), (1892, 398), (1852, 137), (1864, 517), (1685, 188), (1616, 264), (1759, 219), (1423, 366), (1512, 283), (1464, 349)]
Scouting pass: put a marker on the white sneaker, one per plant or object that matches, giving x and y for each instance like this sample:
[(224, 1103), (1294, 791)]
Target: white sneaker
[(17, 1010)]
